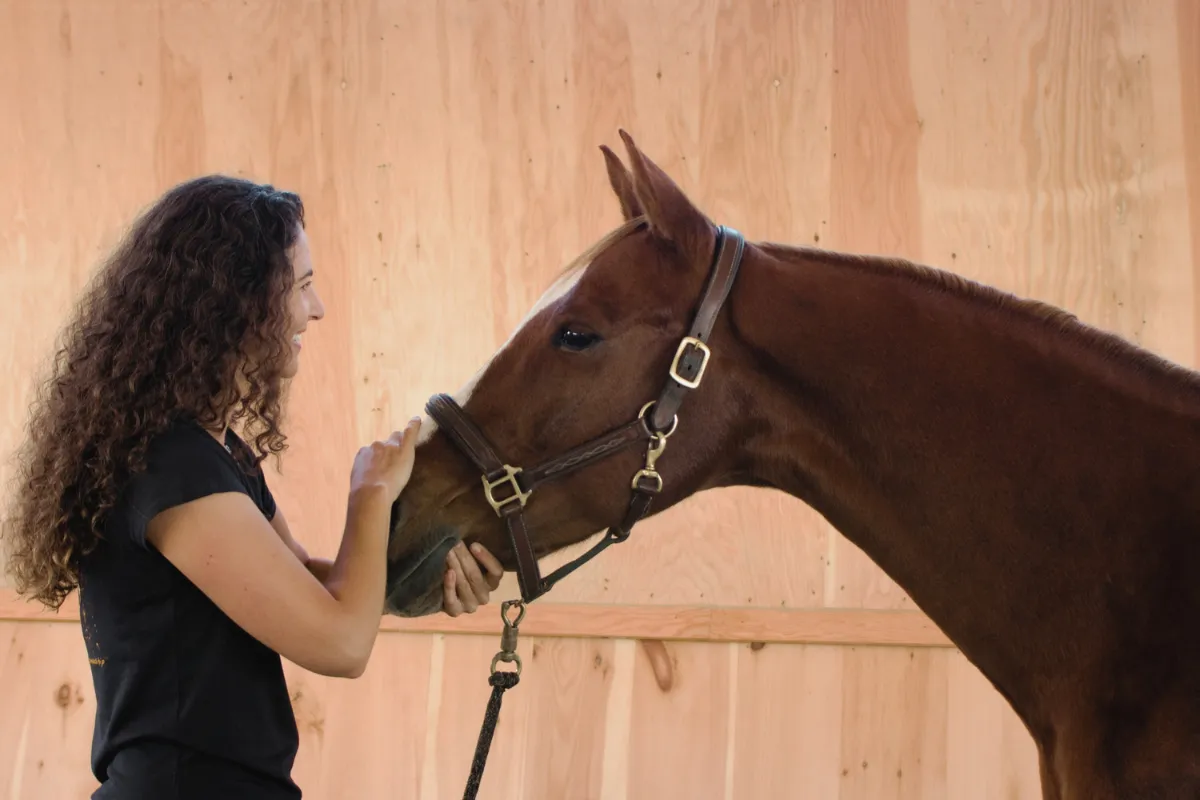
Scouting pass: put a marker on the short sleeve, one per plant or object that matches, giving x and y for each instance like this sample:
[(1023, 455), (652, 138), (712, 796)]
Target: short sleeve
[(268, 500), (183, 465)]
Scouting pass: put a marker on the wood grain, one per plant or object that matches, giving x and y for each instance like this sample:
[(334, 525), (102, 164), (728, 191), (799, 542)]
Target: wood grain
[(736, 646), (1187, 24), (682, 623)]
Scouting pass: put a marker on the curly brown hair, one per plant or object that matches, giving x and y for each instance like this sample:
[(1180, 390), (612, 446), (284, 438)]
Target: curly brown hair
[(186, 319)]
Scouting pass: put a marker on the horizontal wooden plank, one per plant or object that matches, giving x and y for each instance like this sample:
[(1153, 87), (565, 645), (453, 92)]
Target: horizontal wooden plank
[(692, 623), (688, 623)]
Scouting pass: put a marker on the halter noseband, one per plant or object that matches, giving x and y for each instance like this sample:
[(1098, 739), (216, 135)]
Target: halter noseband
[(685, 373)]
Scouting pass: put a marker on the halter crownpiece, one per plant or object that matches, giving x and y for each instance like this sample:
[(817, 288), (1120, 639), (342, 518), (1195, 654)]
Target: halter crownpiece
[(508, 489)]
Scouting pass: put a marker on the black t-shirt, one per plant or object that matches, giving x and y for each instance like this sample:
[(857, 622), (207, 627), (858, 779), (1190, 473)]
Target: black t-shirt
[(188, 705)]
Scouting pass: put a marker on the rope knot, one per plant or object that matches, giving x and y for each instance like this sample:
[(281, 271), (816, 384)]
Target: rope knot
[(504, 680)]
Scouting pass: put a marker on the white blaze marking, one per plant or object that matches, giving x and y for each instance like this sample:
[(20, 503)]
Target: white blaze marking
[(556, 291)]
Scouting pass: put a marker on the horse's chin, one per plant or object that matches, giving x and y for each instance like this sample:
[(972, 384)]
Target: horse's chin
[(414, 580)]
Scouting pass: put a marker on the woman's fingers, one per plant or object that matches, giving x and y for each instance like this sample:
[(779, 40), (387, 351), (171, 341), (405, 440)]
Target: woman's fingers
[(463, 590), (475, 579), (450, 602), (494, 571), (466, 586)]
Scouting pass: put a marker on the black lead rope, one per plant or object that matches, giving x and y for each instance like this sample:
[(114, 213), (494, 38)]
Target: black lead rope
[(501, 681)]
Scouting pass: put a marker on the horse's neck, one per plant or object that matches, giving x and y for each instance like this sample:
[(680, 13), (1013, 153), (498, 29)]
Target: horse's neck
[(974, 457)]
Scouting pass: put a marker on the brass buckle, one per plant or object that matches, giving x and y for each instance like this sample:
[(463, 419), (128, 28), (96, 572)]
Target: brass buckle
[(683, 345), (510, 477)]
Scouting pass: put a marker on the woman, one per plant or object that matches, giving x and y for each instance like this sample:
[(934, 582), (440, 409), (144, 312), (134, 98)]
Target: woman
[(135, 488)]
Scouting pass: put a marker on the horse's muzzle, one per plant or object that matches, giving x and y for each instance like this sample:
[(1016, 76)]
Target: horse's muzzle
[(414, 581)]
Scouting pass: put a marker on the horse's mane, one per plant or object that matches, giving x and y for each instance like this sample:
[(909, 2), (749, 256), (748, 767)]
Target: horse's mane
[(1050, 319), (585, 258)]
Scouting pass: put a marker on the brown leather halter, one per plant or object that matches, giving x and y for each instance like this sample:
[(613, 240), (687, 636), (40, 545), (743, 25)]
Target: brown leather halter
[(686, 372)]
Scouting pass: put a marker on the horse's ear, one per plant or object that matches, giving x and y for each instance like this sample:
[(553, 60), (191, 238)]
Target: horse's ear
[(670, 213), (622, 184)]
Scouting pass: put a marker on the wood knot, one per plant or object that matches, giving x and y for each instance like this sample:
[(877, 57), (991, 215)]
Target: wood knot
[(756, 646), (62, 698), (660, 663)]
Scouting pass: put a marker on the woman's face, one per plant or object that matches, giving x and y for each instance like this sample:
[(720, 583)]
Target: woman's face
[(305, 305)]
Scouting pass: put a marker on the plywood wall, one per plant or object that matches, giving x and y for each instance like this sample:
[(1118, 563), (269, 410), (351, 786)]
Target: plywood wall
[(736, 647)]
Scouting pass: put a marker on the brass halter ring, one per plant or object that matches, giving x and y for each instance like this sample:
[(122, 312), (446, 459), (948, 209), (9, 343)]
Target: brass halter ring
[(642, 417)]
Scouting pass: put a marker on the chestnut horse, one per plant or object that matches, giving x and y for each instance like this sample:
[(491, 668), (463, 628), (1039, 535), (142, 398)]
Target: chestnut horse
[(1029, 481)]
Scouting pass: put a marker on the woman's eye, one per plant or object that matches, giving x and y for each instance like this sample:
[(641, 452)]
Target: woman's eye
[(574, 340)]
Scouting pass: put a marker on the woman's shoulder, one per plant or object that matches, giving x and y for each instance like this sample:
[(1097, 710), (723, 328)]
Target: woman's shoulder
[(183, 432), (183, 462), (185, 442)]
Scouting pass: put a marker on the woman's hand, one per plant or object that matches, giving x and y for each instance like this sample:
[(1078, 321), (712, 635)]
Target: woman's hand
[(465, 586), (386, 465)]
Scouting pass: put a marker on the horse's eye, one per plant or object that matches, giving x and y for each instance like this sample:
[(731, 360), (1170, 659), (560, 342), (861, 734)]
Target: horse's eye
[(568, 338)]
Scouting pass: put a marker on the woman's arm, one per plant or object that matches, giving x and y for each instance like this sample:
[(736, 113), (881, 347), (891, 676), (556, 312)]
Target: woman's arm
[(466, 586), (222, 543), (224, 546), (319, 567)]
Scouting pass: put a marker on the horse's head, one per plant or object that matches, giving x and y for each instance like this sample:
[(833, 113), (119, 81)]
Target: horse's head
[(575, 397)]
